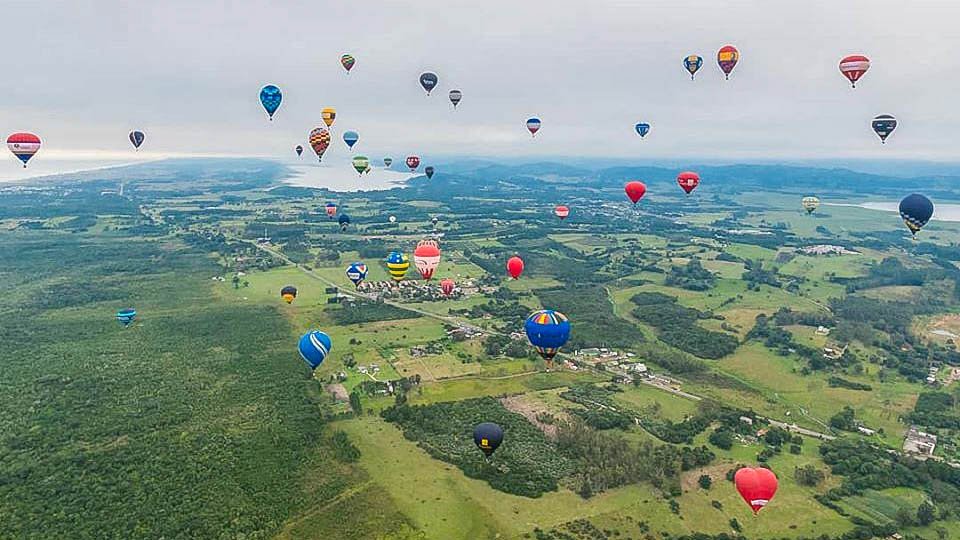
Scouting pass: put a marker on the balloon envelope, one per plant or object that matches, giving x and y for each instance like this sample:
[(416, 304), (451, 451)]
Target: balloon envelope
[(387, 161), (126, 316), (319, 140), (883, 125), (561, 211), (314, 347), (853, 67), (688, 181), (24, 146), (288, 293), (413, 162), (347, 62), (533, 125), (428, 171), (810, 204), (298, 149), (361, 164), (547, 330), (692, 63), (916, 210), (487, 436), (343, 220), (756, 485), (351, 138), (397, 265), (455, 97), (331, 210), (329, 115), (428, 81), (642, 129), (270, 98), (515, 266), (447, 285), (635, 190), (136, 138), (357, 272), (727, 58), (426, 257)]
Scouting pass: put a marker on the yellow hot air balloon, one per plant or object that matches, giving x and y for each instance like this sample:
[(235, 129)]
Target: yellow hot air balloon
[(329, 114), (810, 204)]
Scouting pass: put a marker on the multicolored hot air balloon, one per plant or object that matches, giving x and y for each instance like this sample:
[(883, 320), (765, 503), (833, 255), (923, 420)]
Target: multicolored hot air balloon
[(561, 212), (515, 266), (347, 62), (24, 146), (329, 115), (853, 67), (428, 81), (426, 257), (344, 221), (357, 272), (397, 265), (429, 172), (727, 58), (270, 98), (351, 138), (883, 125), (688, 181), (810, 204), (314, 347), (288, 293), (635, 190), (299, 150), (126, 316), (487, 436), (360, 164), (319, 140), (916, 210), (136, 138), (331, 210), (446, 286), (642, 129), (692, 63), (455, 97), (413, 162), (547, 330), (533, 126), (756, 485), (387, 162)]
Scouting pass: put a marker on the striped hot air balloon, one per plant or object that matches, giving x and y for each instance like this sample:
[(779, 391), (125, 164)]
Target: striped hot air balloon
[(883, 125), (24, 146), (426, 257), (314, 347), (397, 265), (347, 62), (455, 97), (561, 211), (319, 140), (126, 316), (727, 58), (853, 67), (547, 330), (810, 204), (533, 126)]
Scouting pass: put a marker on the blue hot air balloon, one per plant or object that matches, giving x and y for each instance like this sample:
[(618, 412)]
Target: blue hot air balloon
[(136, 138), (692, 64), (314, 346), (487, 436), (916, 210), (642, 129), (270, 97), (351, 138), (428, 81), (357, 272), (343, 220), (547, 330), (126, 316)]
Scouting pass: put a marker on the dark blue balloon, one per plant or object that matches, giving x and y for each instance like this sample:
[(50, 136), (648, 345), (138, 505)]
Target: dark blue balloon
[(136, 138), (343, 220), (314, 347), (126, 316), (488, 436), (547, 330), (270, 98), (642, 129), (428, 81), (916, 210)]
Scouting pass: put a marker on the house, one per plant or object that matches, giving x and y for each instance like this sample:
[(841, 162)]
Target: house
[(822, 331), (919, 442), (639, 367), (866, 431), (593, 351), (746, 420)]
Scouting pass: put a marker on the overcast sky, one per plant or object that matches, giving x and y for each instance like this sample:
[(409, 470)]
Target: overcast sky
[(188, 73)]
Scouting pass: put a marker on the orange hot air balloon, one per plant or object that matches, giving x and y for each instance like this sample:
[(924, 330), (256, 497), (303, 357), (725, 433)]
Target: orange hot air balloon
[(447, 285), (515, 267), (635, 190), (756, 485), (329, 115), (561, 211), (688, 181)]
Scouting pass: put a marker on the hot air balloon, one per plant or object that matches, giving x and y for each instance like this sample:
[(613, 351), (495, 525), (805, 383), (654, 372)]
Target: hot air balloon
[(635, 190), (331, 210), (387, 162), (428, 171), (455, 97), (329, 115), (756, 485), (727, 58), (357, 272), (810, 204), (916, 210), (24, 146), (853, 67), (288, 293), (397, 265), (434, 221), (533, 126), (413, 162), (883, 126), (344, 221), (487, 436), (368, 168), (299, 150), (270, 98), (515, 266), (547, 330), (319, 140), (347, 62), (447, 285), (360, 164), (561, 211), (426, 257), (688, 181), (126, 316), (393, 219), (692, 63), (314, 347), (642, 129), (428, 81), (351, 138), (136, 138)]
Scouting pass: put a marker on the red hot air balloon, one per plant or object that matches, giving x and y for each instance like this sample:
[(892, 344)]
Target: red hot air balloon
[(688, 181), (756, 486), (413, 162), (853, 67), (635, 190), (727, 58), (427, 257), (561, 211), (24, 146), (515, 267), (447, 285)]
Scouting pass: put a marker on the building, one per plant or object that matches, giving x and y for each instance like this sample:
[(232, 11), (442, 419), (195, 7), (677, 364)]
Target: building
[(823, 331), (919, 442), (746, 420), (866, 431)]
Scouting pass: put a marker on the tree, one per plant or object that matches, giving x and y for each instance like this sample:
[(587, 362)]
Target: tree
[(808, 475), (926, 513), (722, 438), (844, 420), (735, 525), (355, 402), (705, 481), (904, 516)]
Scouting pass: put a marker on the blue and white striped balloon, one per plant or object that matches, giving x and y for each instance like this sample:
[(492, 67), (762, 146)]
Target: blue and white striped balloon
[(314, 347)]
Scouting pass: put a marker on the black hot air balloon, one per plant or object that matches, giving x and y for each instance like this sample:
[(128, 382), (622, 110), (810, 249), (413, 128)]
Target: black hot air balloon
[(136, 139), (916, 210), (428, 81), (883, 126), (343, 220), (298, 150), (487, 436), (429, 172)]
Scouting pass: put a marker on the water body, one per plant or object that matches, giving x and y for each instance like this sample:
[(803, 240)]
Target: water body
[(342, 177), (12, 170), (941, 212)]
